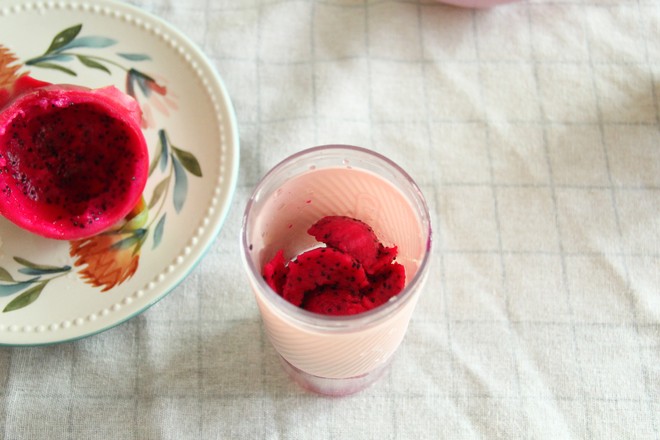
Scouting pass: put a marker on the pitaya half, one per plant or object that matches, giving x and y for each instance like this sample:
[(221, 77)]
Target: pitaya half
[(73, 161)]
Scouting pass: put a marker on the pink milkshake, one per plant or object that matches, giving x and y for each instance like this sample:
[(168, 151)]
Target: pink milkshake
[(335, 355)]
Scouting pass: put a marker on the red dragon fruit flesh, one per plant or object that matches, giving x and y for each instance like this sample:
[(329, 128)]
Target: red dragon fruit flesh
[(322, 266), (331, 300), (383, 285), (355, 238), (351, 274), (73, 161), (275, 272)]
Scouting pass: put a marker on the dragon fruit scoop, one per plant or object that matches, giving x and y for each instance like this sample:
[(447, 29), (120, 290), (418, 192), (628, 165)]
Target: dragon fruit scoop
[(334, 279), (73, 161), (322, 267), (275, 272), (330, 300), (383, 285), (355, 238)]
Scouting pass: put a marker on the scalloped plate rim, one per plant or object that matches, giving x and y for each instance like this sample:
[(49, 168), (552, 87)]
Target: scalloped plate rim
[(222, 209)]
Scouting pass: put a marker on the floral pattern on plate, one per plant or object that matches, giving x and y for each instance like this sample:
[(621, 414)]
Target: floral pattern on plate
[(108, 259)]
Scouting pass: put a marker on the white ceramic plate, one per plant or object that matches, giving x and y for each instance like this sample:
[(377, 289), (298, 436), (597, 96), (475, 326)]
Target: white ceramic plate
[(54, 291)]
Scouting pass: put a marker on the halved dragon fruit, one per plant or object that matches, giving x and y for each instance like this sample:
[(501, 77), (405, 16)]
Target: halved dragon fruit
[(73, 161), (334, 280)]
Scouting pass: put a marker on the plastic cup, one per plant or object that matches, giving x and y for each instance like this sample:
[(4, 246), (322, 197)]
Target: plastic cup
[(335, 355), (477, 4)]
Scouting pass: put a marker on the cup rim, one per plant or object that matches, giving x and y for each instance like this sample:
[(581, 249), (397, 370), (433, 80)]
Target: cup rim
[(333, 323)]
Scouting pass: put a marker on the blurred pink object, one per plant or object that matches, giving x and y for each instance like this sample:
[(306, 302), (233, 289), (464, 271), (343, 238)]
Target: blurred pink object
[(476, 3)]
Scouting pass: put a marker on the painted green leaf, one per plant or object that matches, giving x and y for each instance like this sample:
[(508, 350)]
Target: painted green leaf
[(130, 82), (46, 268), (159, 191), (136, 222), (26, 298), (31, 268), (144, 82), (164, 149), (143, 238), (189, 161), (180, 185), (5, 276), (10, 289), (91, 63), (46, 65), (155, 160), (64, 37), (61, 57), (89, 41), (39, 271), (134, 56), (158, 231), (131, 240)]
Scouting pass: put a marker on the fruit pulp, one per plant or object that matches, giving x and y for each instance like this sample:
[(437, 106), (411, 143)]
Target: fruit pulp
[(73, 161)]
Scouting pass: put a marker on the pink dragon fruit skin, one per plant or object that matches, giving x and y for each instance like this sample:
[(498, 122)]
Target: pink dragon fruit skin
[(73, 161)]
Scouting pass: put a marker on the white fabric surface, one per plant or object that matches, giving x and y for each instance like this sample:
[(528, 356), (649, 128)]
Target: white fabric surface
[(533, 130)]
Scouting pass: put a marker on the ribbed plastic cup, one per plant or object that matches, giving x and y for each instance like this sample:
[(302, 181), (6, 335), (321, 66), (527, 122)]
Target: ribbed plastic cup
[(478, 4), (335, 355)]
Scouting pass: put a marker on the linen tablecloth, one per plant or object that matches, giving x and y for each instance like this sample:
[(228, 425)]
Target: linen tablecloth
[(533, 130)]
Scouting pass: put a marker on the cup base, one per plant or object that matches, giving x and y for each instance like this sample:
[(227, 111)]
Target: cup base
[(332, 386)]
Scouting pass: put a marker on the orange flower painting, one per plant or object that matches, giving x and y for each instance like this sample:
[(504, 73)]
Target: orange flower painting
[(8, 68), (8, 73), (112, 257)]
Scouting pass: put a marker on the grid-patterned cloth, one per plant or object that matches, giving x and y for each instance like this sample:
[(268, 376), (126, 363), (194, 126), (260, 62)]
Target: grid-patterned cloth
[(533, 130)]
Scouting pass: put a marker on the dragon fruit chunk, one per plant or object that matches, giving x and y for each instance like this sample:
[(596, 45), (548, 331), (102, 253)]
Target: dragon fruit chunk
[(275, 271), (331, 300), (73, 161), (355, 238), (334, 280), (383, 285), (322, 266)]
